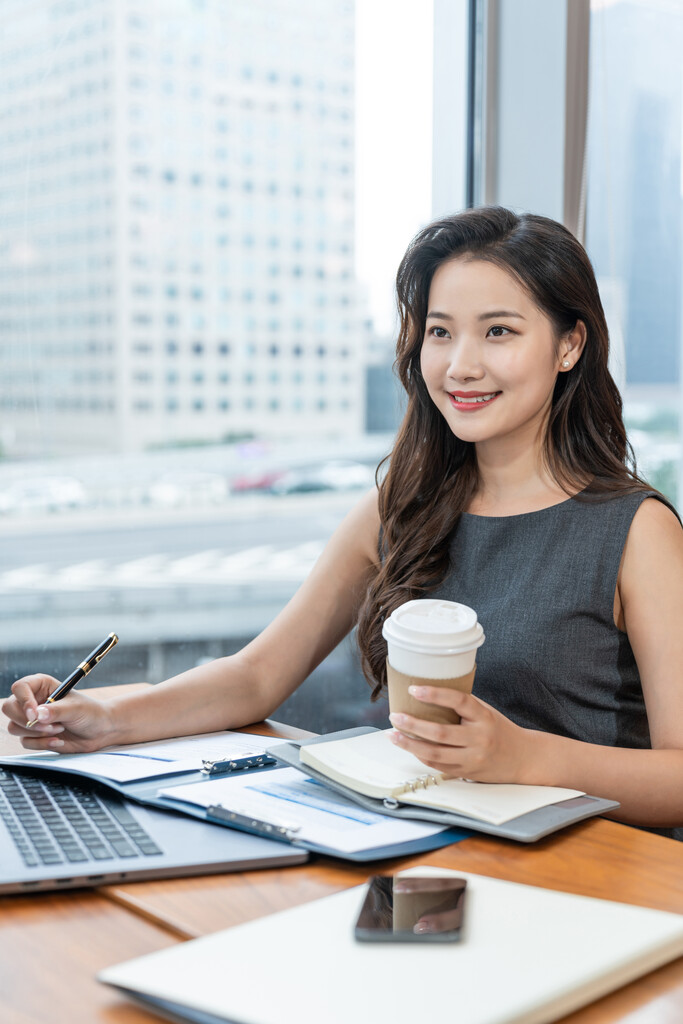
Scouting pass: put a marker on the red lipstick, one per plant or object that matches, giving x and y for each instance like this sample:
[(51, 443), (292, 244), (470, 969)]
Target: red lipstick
[(470, 401)]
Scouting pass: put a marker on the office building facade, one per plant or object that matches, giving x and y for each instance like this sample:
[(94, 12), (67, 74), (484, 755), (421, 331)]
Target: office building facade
[(177, 223)]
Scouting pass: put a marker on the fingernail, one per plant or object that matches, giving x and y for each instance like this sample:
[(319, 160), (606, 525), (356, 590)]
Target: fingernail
[(56, 743), (397, 718), (416, 691), (42, 714), (421, 927)]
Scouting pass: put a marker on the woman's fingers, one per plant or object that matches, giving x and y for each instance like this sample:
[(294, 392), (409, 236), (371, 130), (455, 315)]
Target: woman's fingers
[(428, 752), (27, 696), (465, 704), (434, 732), (446, 921), (14, 729), (485, 747), (436, 744), (55, 737), (77, 723)]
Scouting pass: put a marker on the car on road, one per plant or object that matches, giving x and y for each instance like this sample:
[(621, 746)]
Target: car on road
[(263, 481), (174, 490), (334, 475), (42, 494)]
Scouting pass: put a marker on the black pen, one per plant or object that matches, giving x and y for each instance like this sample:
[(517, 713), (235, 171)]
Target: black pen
[(80, 672)]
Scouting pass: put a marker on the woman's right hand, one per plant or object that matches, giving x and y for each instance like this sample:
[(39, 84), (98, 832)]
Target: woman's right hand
[(76, 724)]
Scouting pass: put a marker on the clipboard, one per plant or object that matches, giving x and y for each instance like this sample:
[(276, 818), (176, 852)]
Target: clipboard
[(273, 830), (527, 828)]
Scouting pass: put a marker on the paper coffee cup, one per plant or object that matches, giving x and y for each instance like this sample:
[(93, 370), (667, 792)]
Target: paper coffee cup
[(430, 642)]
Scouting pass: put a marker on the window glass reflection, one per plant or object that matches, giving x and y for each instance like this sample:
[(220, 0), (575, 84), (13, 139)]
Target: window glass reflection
[(635, 217)]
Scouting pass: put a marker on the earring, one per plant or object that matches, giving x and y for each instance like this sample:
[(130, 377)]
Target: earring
[(565, 363)]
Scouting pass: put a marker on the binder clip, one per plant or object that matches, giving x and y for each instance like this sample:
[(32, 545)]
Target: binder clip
[(236, 764)]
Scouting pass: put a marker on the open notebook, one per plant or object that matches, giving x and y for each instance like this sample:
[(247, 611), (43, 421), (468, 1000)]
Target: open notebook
[(363, 765), (527, 955), (372, 765)]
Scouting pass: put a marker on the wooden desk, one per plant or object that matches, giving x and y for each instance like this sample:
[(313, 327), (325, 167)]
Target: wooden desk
[(597, 858), (53, 945)]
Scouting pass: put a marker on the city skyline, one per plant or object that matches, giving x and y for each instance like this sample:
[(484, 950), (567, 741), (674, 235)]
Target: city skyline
[(179, 249)]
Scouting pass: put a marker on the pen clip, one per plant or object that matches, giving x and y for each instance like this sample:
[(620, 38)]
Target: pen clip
[(236, 764), (285, 832), (96, 656), (110, 642)]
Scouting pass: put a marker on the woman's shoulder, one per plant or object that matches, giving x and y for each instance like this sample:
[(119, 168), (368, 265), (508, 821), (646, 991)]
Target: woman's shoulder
[(654, 545), (656, 518), (651, 575), (620, 501)]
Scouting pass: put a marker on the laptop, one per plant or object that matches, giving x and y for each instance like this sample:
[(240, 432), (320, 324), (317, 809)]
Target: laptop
[(55, 834)]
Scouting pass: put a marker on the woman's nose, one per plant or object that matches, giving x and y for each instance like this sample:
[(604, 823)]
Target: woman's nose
[(464, 362)]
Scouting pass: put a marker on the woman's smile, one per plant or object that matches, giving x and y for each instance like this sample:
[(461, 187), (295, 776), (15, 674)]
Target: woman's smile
[(471, 401)]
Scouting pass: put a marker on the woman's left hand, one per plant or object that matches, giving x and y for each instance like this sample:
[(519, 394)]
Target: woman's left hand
[(485, 747)]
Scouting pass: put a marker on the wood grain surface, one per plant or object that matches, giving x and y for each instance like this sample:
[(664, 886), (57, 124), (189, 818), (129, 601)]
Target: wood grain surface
[(51, 946)]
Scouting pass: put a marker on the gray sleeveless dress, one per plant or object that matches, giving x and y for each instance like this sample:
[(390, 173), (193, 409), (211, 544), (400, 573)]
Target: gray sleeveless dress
[(543, 585)]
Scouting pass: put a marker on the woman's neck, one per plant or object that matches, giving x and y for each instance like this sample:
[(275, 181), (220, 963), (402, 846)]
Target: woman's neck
[(514, 482)]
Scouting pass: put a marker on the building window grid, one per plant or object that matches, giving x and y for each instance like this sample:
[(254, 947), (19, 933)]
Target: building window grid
[(147, 320)]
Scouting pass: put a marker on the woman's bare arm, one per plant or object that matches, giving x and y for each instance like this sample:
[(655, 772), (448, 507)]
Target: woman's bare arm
[(647, 783), (231, 691)]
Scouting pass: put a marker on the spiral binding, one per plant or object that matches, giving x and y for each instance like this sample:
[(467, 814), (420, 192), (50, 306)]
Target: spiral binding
[(420, 782)]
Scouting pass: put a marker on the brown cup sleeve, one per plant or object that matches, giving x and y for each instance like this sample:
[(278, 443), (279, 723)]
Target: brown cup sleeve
[(400, 700)]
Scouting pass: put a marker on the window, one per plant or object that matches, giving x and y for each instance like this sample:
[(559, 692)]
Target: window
[(634, 227), (144, 326)]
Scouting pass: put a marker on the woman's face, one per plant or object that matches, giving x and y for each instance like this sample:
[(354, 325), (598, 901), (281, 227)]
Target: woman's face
[(489, 356)]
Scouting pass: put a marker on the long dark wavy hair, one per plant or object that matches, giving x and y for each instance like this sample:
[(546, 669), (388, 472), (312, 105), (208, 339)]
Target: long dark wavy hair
[(432, 474)]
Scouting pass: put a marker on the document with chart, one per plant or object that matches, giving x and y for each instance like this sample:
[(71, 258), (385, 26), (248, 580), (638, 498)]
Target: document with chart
[(304, 811)]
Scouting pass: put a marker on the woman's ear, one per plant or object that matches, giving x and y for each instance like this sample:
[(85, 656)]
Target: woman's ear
[(572, 345)]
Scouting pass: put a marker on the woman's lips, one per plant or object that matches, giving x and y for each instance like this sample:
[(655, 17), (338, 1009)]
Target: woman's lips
[(470, 401)]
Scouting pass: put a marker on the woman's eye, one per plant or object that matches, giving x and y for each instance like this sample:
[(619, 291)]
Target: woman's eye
[(499, 332), (438, 332)]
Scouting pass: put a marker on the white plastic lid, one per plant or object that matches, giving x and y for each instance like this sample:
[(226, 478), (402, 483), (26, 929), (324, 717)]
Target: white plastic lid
[(434, 627)]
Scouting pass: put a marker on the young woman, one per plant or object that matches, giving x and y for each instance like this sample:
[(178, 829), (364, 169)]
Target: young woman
[(508, 489)]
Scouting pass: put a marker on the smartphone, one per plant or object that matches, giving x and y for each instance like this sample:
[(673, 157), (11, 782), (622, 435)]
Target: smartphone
[(412, 908)]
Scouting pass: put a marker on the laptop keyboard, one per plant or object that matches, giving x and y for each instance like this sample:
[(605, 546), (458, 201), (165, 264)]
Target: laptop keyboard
[(54, 824)]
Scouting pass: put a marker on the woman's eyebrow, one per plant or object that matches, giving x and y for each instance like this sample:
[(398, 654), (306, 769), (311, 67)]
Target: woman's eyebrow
[(438, 316), (500, 312)]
